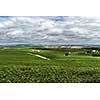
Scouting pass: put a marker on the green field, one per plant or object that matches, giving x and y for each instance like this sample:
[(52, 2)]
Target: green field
[(20, 64)]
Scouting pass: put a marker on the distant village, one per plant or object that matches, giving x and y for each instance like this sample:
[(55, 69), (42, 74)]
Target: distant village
[(78, 47)]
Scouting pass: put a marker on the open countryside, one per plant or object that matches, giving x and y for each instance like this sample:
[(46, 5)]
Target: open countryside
[(49, 49), (40, 64)]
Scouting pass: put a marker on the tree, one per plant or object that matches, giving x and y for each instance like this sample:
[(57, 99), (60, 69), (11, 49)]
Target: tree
[(67, 53)]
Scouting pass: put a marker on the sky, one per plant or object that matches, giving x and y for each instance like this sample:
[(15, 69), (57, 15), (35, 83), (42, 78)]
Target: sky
[(50, 30)]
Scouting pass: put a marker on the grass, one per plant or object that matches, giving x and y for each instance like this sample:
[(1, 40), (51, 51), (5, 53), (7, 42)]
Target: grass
[(17, 66)]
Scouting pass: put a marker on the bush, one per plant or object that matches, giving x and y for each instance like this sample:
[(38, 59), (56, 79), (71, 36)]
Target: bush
[(66, 53)]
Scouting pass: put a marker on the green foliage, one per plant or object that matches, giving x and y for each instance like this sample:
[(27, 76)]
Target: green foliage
[(66, 53), (20, 65)]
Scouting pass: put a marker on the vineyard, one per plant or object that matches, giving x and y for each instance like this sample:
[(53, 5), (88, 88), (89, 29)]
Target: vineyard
[(27, 64)]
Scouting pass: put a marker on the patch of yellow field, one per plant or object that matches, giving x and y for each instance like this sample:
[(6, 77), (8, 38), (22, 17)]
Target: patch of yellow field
[(35, 50)]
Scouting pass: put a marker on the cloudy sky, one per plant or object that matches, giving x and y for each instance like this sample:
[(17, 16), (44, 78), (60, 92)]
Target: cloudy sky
[(50, 30)]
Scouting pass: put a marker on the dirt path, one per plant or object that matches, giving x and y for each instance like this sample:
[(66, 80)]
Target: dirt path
[(42, 57), (39, 56)]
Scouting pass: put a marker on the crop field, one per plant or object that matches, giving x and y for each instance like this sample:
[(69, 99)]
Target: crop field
[(27, 64)]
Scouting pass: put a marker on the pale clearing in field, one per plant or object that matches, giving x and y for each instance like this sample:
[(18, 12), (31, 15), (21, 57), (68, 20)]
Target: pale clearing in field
[(39, 56), (42, 57), (36, 50)]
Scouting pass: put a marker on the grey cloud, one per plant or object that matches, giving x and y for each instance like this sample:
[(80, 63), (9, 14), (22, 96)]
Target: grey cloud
[(65, 29)]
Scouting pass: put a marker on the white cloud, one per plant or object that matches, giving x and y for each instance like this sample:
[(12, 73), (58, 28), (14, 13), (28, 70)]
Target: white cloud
[(50, 29), (55, 30), (78, 30)]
